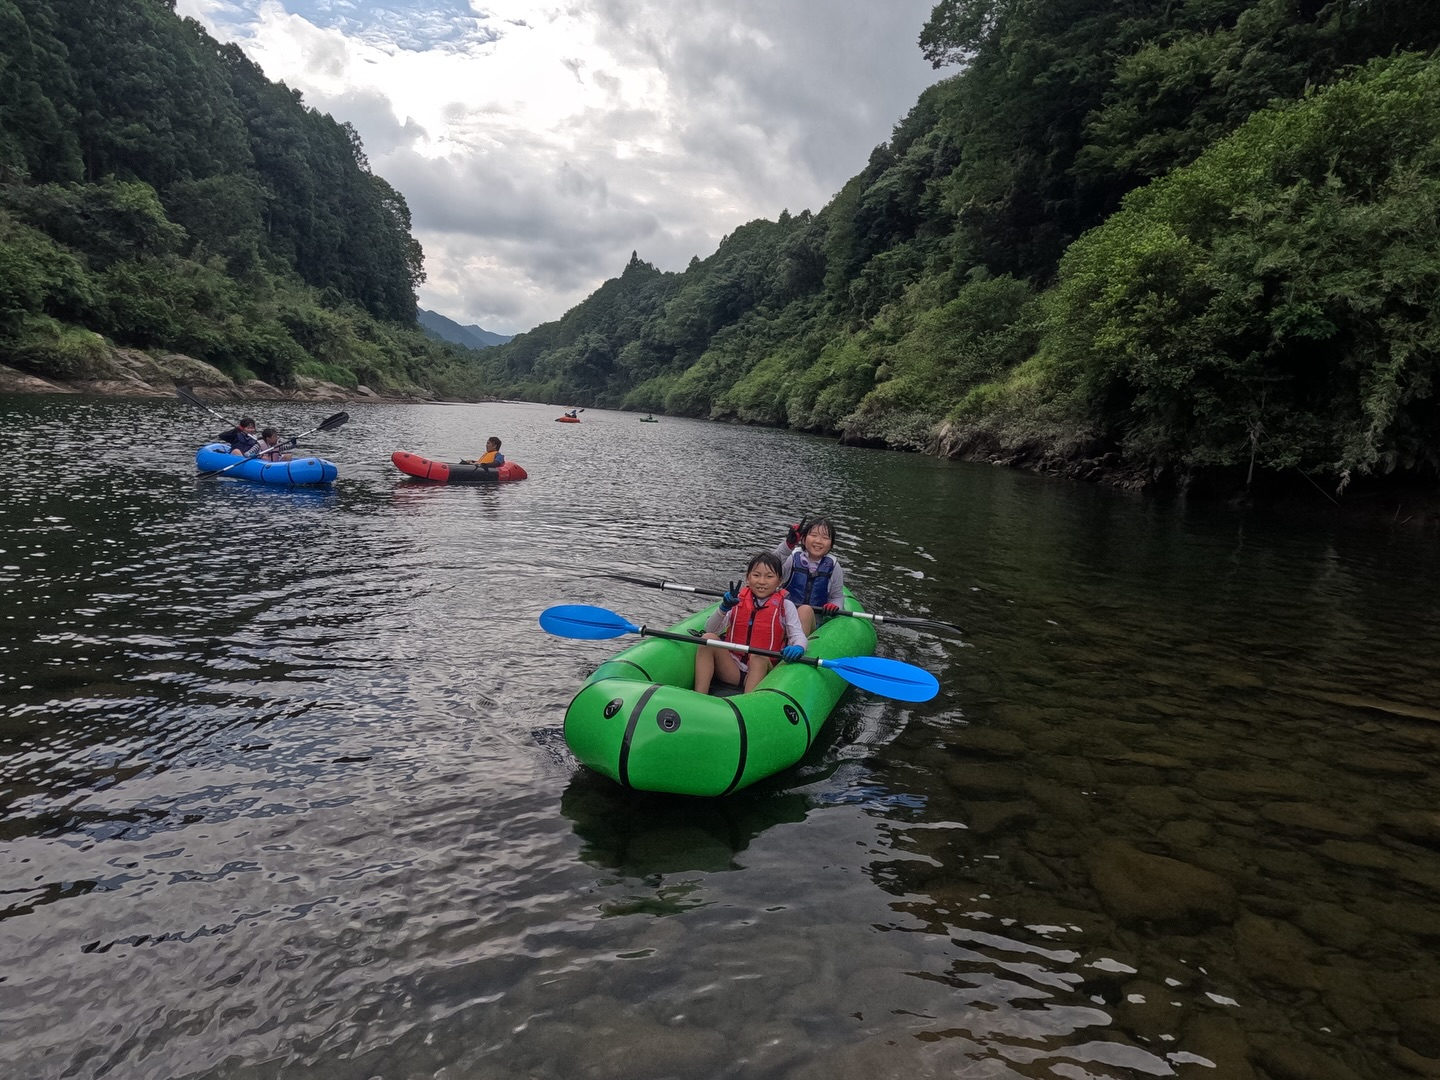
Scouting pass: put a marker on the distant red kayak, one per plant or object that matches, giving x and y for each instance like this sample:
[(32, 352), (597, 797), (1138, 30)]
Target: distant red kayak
[(454, 472), (567, 419)]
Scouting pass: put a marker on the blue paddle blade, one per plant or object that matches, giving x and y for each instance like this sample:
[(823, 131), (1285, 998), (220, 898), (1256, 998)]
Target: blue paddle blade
[(585, 622), (889, 678)]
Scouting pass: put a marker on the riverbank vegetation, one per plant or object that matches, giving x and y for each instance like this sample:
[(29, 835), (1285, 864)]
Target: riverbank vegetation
[(1177, 238), (1181, 238), (158, 191)]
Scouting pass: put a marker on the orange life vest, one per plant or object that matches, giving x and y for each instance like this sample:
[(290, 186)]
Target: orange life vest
[(761, 625)]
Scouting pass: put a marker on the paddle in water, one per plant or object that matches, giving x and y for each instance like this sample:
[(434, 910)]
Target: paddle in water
[(898, 620), (888, 678)]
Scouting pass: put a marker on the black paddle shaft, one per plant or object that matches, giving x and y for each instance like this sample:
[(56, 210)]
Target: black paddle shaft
[(899, 620)]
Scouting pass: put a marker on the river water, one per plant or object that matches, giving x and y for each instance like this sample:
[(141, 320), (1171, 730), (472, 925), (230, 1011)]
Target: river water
[(283, 790)]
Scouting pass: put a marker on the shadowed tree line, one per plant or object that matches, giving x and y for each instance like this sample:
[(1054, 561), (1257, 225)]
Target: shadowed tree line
[(157, 189), (1178, 235)]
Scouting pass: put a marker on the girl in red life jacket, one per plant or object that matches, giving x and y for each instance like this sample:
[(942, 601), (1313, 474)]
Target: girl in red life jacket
[(760, 615)]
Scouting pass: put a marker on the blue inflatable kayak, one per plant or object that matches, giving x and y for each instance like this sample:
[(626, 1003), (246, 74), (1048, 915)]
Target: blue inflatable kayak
[(213, 457)]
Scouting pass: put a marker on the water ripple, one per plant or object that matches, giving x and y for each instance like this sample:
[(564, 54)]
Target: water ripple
[(284, 790)]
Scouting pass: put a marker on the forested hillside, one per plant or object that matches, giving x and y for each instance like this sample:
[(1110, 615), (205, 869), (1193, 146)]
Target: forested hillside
[(1180, 235), (158, 190)]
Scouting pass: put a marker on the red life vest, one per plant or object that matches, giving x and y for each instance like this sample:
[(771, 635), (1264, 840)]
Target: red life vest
[(759, 625)]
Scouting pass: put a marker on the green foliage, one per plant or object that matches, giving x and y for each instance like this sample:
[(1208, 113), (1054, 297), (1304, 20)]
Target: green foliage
[(760, 396), (1278, 295), (156, 188), (46, 347), (829, 390), (222, 215), (335, 373), (104, 222), (651, 394), (1032, 407), (38, 140), (132, 100), (37, 276), (147, 97), (957, 29), (990, 327)]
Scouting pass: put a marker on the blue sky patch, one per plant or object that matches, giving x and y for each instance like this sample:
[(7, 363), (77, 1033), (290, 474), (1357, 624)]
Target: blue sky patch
[(415, 25), (412, 25)]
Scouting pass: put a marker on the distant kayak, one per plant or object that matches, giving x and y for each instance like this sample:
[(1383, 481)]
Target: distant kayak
[(215, 459), (567, 419), (454, 472), (648, 420)]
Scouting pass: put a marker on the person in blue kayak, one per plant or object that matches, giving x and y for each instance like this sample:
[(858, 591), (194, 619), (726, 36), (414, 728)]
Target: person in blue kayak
[(491, 459), (270, 447), (758, 614), (241, 437), (813, 578)]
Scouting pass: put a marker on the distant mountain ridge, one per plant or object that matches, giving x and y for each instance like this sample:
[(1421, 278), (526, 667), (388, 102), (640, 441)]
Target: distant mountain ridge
[(438, 326)]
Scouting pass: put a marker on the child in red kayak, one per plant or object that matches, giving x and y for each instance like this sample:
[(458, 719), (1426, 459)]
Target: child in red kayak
[(758, 614), (492, 458)]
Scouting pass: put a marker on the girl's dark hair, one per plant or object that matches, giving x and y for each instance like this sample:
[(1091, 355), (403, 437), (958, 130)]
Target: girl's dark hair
[(495, 441), (268, 432), (820, 523), (765, 558)]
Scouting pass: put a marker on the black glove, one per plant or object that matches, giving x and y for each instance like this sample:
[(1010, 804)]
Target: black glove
[(795, 535), (731, 597)]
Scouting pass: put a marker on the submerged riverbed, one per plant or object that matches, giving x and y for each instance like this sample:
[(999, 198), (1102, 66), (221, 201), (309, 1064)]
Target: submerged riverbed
[(283, 791)]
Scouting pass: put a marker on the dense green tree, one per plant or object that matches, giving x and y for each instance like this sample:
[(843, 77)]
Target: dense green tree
[(148, 105), (39, 277), (106, 222), (1278, 299), (38, 140), (144, 150)]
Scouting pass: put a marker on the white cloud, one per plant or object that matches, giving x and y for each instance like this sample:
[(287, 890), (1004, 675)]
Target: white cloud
[(539, 145)]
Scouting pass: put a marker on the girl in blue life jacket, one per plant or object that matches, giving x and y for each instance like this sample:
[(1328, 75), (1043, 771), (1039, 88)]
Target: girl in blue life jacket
[(758, 614), (813, 578)]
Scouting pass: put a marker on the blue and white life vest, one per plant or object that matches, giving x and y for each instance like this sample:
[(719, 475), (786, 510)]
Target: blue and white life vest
[(809, 584)]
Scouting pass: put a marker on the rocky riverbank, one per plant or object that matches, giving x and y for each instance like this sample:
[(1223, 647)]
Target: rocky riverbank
[(132, 373), (1408, 499)]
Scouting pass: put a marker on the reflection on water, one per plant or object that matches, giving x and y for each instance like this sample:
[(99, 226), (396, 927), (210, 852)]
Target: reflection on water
[(285, 769), (646, 836)]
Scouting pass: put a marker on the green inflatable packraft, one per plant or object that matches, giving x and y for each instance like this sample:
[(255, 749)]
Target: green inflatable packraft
[(638, 721)]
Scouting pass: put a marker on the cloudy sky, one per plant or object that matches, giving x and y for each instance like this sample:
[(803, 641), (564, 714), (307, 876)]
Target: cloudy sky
[(539, 144)]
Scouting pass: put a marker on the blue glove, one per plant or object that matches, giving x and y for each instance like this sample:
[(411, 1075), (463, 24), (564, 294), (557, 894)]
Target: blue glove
[(731, 597), (792, 652)]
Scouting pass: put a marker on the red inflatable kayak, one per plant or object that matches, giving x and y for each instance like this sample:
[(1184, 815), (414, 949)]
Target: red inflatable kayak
[(447, 472)]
